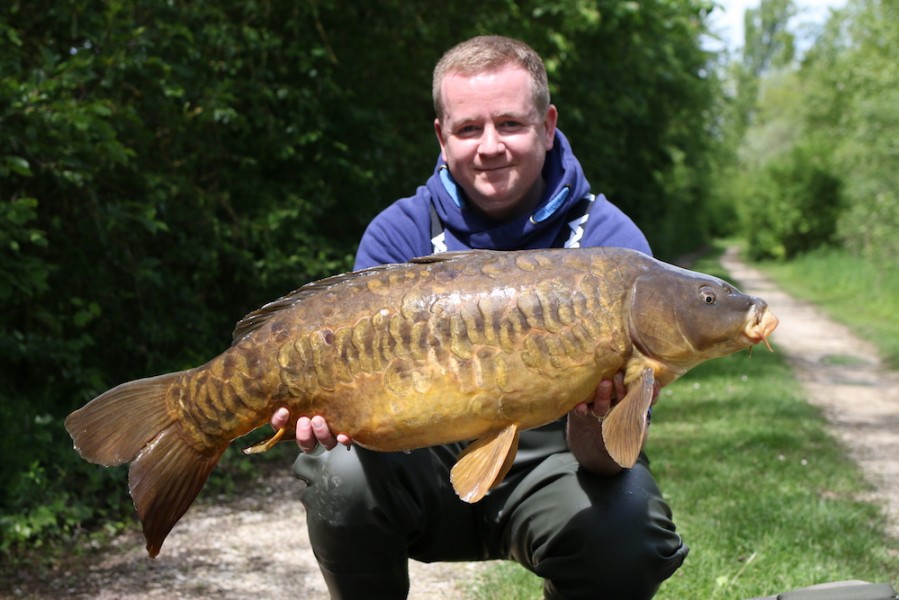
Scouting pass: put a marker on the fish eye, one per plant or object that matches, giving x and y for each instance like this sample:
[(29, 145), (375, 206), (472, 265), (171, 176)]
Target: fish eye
[(708, 295)]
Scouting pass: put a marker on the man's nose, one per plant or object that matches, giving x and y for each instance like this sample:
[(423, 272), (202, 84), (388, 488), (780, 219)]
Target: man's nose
[(491, 142)]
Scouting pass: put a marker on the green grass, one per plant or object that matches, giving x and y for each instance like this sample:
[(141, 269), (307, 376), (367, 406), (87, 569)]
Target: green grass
[(764, 496), (857, 293)]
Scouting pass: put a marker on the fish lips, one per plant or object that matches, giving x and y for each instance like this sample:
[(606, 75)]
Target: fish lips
[(764, 324)]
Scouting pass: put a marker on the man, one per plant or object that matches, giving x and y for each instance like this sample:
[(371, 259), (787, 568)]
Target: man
[(506, 180)]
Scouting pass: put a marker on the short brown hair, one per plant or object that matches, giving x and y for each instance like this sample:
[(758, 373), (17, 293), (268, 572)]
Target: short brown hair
[(487, 53)]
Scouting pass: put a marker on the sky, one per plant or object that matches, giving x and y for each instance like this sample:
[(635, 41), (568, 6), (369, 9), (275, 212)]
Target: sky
[(728, 18)]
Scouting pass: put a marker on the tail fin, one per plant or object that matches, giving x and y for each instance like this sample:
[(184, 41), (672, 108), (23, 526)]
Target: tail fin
[(113, 427), (132, 423), (164, 480)]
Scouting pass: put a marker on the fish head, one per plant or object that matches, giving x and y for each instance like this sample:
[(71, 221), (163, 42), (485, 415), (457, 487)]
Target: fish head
[(681, 318)]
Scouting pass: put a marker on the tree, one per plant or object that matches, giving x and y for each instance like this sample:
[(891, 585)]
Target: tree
[(857, 102), (768, 45), (830, 119)]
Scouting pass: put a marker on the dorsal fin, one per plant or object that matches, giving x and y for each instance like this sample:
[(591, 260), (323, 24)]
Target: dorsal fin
[(261, 316), (454, 255)]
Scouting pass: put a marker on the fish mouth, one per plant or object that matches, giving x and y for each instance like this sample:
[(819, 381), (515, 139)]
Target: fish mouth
[(759, 328)]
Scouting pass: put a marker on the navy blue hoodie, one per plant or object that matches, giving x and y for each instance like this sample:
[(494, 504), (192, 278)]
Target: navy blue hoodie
[(403, 231)]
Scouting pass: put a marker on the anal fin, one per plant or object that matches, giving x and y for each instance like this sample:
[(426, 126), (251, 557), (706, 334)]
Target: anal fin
[(624, 428), (484, 463)]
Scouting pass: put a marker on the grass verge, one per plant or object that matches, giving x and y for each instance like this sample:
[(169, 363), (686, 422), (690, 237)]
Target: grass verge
[(855, 292)]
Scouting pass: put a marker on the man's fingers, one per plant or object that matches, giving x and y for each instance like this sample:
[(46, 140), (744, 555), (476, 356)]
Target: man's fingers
[(279, 419), (306, 439), (582, 409), (315, 431), (323, 433), (618, 382), (602, 401)]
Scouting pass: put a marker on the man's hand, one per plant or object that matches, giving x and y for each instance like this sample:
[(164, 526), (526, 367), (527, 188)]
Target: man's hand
[(609, 393), (310, 432), (585, 425)]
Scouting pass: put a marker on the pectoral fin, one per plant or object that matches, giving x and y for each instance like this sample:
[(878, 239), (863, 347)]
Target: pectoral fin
[(624, 428), (484, 463)]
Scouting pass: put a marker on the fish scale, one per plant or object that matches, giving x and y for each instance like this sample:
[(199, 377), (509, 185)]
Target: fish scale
[(532, 337), (455, 347)]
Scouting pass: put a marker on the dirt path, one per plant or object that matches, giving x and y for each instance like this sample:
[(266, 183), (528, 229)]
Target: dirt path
[(256, 546), (251, 546), (844, 376)]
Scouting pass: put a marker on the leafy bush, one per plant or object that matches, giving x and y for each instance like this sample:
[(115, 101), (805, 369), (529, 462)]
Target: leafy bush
[(869, 228), (794, 207)]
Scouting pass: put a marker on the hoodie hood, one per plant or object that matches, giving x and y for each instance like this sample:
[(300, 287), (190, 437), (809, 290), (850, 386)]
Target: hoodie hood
[(565, 186)]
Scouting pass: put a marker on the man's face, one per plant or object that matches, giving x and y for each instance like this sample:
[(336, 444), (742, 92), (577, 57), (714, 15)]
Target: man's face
[(494, 141)]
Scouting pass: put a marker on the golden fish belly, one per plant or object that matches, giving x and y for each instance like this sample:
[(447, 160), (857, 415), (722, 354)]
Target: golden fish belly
[(446, 412)]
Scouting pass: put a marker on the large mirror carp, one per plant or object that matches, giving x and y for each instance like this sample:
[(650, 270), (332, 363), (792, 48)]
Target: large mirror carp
[(475, 345)]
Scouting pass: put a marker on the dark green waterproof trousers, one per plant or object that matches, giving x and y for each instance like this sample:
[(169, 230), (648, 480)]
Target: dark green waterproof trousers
[(587, 536)]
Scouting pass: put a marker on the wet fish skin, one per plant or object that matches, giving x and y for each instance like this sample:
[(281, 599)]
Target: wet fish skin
[(441, 336), (461, 346)]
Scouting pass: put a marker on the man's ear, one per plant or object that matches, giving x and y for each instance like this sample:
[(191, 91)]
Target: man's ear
[(549, 124), (439, 131)]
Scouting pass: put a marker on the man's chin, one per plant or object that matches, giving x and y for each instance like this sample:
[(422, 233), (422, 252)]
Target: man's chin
[(498, 207)]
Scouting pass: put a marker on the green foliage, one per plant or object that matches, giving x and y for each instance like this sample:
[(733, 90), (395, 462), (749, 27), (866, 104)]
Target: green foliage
[(166, 167), (768, 42), (794, 209), (769, 46), (637, 98), (832, 115), (506, 580), (855, 63), (41, 497)]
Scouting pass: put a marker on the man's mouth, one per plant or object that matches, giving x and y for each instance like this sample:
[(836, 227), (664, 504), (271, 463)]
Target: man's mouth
[(492, 169)]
